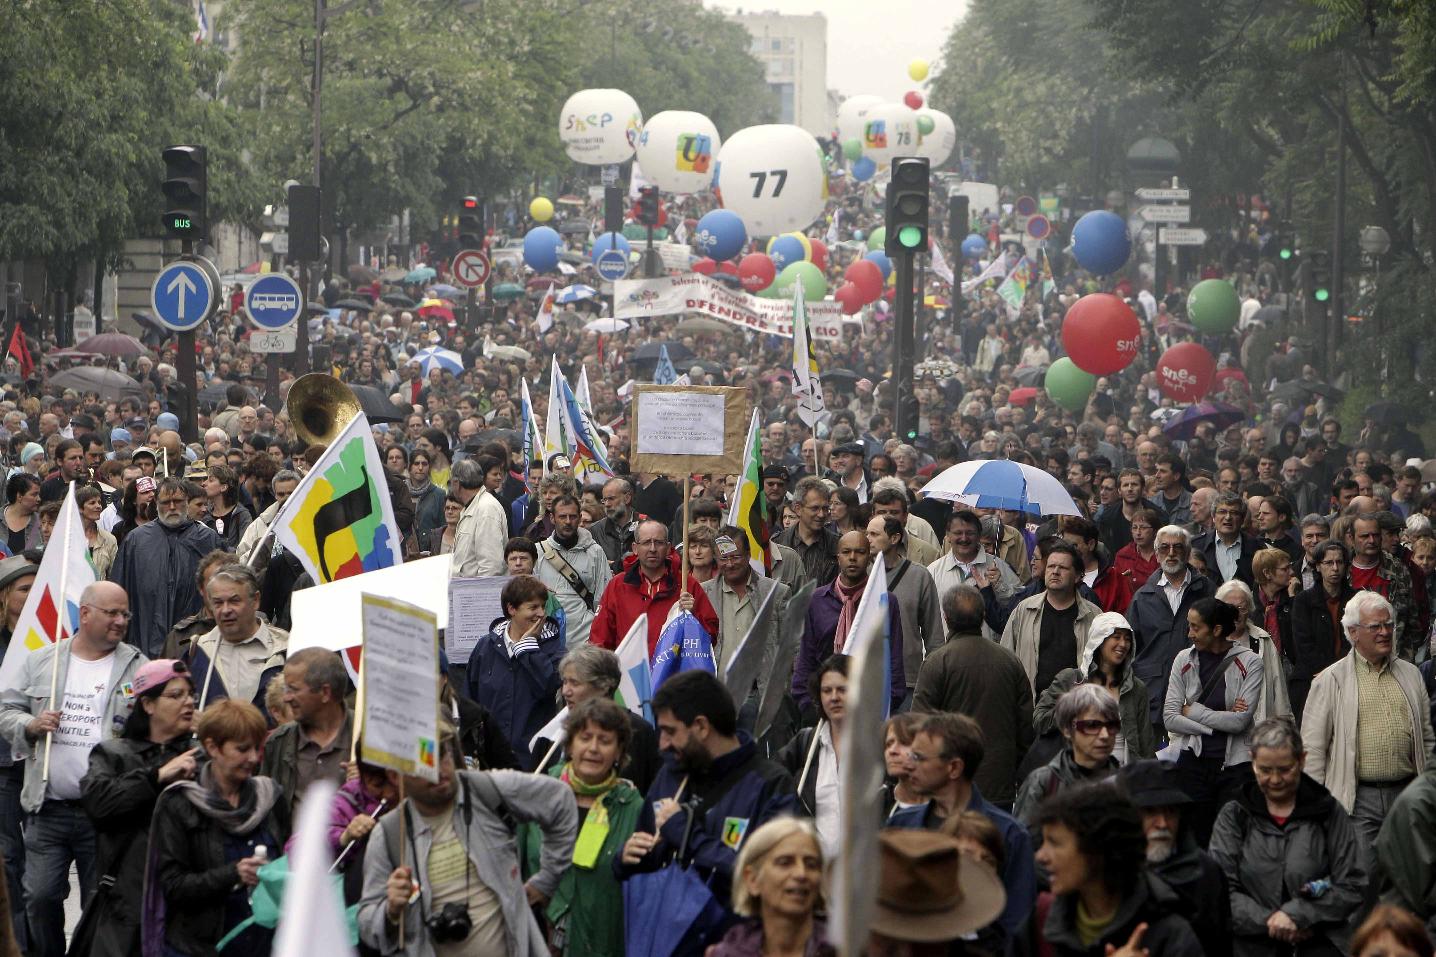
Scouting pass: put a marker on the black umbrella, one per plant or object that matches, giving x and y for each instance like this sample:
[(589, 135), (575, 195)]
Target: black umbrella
[(398, 299), (1030, 375), (354, 304), (108, 384), (216, 393), (1387, 413), (1323, 389), (678, 353), (843, 379), (376, 404), (1269, 315), (319, 309)]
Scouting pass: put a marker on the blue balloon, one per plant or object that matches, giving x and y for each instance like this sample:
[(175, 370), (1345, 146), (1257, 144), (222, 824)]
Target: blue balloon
[(607, 241), (974, 246), (864, 169), (541, 248), (785, 250), (859, 235), (884, 263), (1100, 242), (720, 234)]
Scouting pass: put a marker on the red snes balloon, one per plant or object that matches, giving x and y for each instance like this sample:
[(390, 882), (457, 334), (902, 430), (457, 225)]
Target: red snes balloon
[(1185, 372), (1101, 334)]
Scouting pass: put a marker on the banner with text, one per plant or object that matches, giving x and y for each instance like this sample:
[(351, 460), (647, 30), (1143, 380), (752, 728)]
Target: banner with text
[(695, 292)]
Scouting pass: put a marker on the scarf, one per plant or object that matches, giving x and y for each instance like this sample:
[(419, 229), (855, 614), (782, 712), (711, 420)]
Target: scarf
[(583, 789), (417, 491), (850, 598), (594, 832), (257, 797)]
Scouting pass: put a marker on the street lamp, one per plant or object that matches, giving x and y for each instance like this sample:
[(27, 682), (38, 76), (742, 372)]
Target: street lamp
[(1375, 242)]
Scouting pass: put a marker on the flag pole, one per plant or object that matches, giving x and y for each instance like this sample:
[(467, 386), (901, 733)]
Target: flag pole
[(687, 490), (61, 622), (403, 820)]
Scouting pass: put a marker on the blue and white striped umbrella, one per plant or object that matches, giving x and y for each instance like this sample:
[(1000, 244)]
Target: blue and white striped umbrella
[(445, 359), (998, 483), (574, 293)]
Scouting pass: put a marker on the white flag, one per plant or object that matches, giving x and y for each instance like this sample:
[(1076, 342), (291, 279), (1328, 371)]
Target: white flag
[(940, 268), (555, 435), (635, 682), (545, 311), (807, 380), (311, 914)]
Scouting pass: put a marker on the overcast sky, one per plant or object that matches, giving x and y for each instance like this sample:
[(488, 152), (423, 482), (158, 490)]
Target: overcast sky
[(870, 42)]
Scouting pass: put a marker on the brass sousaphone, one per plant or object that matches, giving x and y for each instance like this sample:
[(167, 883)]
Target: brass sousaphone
[(320, 407)]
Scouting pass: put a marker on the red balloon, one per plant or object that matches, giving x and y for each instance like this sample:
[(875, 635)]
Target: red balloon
[(1101, 334), (728, 267), (1185, 372), (913, 99), (705, 266), (756, 271), (850, 296), (866, 275), (819, 257)]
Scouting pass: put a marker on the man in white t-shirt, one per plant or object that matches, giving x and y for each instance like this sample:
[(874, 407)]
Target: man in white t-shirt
[(96, 669)]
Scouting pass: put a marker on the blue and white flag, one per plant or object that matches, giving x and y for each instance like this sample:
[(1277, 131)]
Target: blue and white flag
[(635, 683), (533, 439), (574, 293), (586, 451), (663, 372), (683, 646)]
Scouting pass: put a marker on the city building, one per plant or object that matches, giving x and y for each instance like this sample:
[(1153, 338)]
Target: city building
[(794, 54)]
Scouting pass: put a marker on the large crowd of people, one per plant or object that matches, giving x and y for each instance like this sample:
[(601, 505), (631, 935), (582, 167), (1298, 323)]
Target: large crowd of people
[(1195, 717)]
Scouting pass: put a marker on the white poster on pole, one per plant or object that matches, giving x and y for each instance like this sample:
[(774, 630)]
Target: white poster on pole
[(400, 687), (474, 603)]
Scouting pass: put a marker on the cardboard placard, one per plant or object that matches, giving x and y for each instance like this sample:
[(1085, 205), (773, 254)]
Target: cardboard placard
[(682, 429)]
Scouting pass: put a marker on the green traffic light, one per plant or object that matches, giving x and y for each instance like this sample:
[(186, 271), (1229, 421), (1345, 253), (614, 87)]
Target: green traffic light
[(1322, 295), (1285, 254), (910, 237)]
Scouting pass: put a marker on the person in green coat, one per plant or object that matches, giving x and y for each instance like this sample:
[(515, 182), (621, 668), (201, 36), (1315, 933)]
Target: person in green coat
[(585, 914)]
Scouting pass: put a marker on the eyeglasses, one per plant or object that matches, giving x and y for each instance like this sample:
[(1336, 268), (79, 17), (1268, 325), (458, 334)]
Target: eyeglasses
[(1332, 563), (1227, 513), (180, 696), (1387, 625), (121, 614), (1171, 547), (1094, 726), (656, 543)]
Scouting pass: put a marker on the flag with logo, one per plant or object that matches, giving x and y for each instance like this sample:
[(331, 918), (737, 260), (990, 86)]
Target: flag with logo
[(635, 683), (533, 440), (339, 522), (545, 311), (993, 270), (555, 435), (585, 406), (663, 372), (748, 510), (1014, 288), (41, 621), (807, 380), (684, 645), (585, 451)]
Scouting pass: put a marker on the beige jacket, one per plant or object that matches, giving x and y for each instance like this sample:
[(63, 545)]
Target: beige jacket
[(1023, 633), (479, 540), (1328, 726)]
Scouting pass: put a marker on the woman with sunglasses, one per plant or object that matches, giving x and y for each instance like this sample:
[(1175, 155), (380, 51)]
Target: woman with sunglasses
[(119, 793), (1090, 721)]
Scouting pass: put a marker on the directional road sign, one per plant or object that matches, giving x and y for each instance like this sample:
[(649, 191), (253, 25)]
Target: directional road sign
[(1170, 195), (182, 296), (274, 301), (612, 264), (1166, 214), (471, 268), (1182, 236)]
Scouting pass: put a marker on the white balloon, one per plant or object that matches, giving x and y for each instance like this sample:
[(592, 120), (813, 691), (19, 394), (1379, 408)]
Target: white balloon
[(938, 145), (772, 176), (599, 127), (676, 150), (890, 130), (852, 113)]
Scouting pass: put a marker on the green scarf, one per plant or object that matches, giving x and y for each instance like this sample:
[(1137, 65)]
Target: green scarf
[(594, 831)]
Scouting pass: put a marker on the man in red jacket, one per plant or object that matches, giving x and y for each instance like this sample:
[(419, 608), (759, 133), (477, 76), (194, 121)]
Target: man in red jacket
[(649, 583), (1107, 583)]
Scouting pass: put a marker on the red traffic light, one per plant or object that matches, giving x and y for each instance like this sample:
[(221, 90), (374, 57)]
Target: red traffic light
[(471, 202)]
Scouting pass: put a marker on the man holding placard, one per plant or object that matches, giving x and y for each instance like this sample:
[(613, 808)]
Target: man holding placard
[(649, 585)]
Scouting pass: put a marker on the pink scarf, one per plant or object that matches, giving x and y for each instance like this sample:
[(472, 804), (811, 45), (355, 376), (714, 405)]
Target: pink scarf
[(850, 598)]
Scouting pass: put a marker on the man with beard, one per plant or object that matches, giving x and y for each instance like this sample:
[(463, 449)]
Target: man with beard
[(1158, 614), (711, 772), (156, 566), (1173, 855), (574, 567), (614, 532)]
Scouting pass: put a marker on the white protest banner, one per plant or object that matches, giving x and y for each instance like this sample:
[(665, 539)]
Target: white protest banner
[(473, 605), (695, 292), (400, 687), (328, 616)]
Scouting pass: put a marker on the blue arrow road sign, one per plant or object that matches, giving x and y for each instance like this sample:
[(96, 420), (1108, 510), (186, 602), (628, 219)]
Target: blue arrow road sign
[(182, 296), (274, 301), (612, 264)]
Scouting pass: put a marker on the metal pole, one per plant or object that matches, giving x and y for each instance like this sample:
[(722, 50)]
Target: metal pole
[(1336, 314), (903, 346), (301, 339), (185, 369)]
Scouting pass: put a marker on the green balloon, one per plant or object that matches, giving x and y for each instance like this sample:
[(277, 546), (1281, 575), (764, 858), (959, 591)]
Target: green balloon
[(770, 291), (925, 125), (1068, 385), (852, 149), (1214, 307), (877, 239), (815, 286)]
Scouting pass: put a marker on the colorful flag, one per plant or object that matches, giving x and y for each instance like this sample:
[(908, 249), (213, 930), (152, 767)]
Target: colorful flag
[(585, 450), (663, 372), (635, 683), (201, 22), (545, 311), (340, 521), (807, 380), (67, 557), (555, 435), (684, 645), (749, 509), (311, 913), (994, 270), (533, 440), (585, 401), (1014, 288)]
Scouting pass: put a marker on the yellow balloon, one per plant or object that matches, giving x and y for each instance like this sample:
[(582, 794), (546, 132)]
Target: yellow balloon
[(917, 69), (540, 209)]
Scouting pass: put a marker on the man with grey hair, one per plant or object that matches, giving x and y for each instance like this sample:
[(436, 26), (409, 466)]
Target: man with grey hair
[(1158, 615), (1227, 549), (815, 543), (483, 525), (1367, 723), (614, 532), (242, 653), (315, 744)]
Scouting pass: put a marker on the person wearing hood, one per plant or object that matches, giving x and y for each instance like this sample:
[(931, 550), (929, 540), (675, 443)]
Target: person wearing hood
[(513, 670), (1090, 722), (649, 584), (1296, 869), (156, 566), (574, 567), (1155, 787), (1107, 662)]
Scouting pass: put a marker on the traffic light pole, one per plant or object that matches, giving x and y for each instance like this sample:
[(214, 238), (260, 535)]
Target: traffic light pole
[(904, 348), (188, 374)]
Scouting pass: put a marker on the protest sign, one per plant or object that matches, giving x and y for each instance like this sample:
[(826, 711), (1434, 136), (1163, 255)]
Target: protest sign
[(679, 430), (328, 616), (400, 687), (696, 293), (473, 605)]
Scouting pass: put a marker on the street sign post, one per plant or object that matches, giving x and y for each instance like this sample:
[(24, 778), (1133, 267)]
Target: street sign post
[(1166, 214), (612, 265), (1165, 194), (274, 301), (1182, 236), (470, 268), (183, 295)]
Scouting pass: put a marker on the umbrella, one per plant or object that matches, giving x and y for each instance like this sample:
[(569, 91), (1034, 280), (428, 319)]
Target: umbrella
[(443, 358), (376, 404), (607, 325), (506, 352), (215, 393), (1184, 424), (1324, 389), (568, 199), (361, 273), (71, 354), (392, 274), (439, 312), (842, 378), (1269, 315), (363, 304), (1022, 395), (421, 275), (398, 299), (574, 294), (109, 384), (116, 345), (702, 324), (445, 291), (1029, 375), (507, 290), (998, 483), (678, 353), (665, 909), (1387, 413), (319, 309)]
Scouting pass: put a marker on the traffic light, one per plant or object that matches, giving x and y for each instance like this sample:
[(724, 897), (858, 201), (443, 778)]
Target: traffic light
[(908, 414), (185, 186), (907, 206), (1318, 263), (305, 232), (471, 223), (648, 205)]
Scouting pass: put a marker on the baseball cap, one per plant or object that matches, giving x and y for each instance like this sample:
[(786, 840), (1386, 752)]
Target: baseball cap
[(119, 435), (144, 451), (137, 423), (156, 674)]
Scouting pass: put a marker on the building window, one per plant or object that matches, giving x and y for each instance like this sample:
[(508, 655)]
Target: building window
[(777, 45)]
